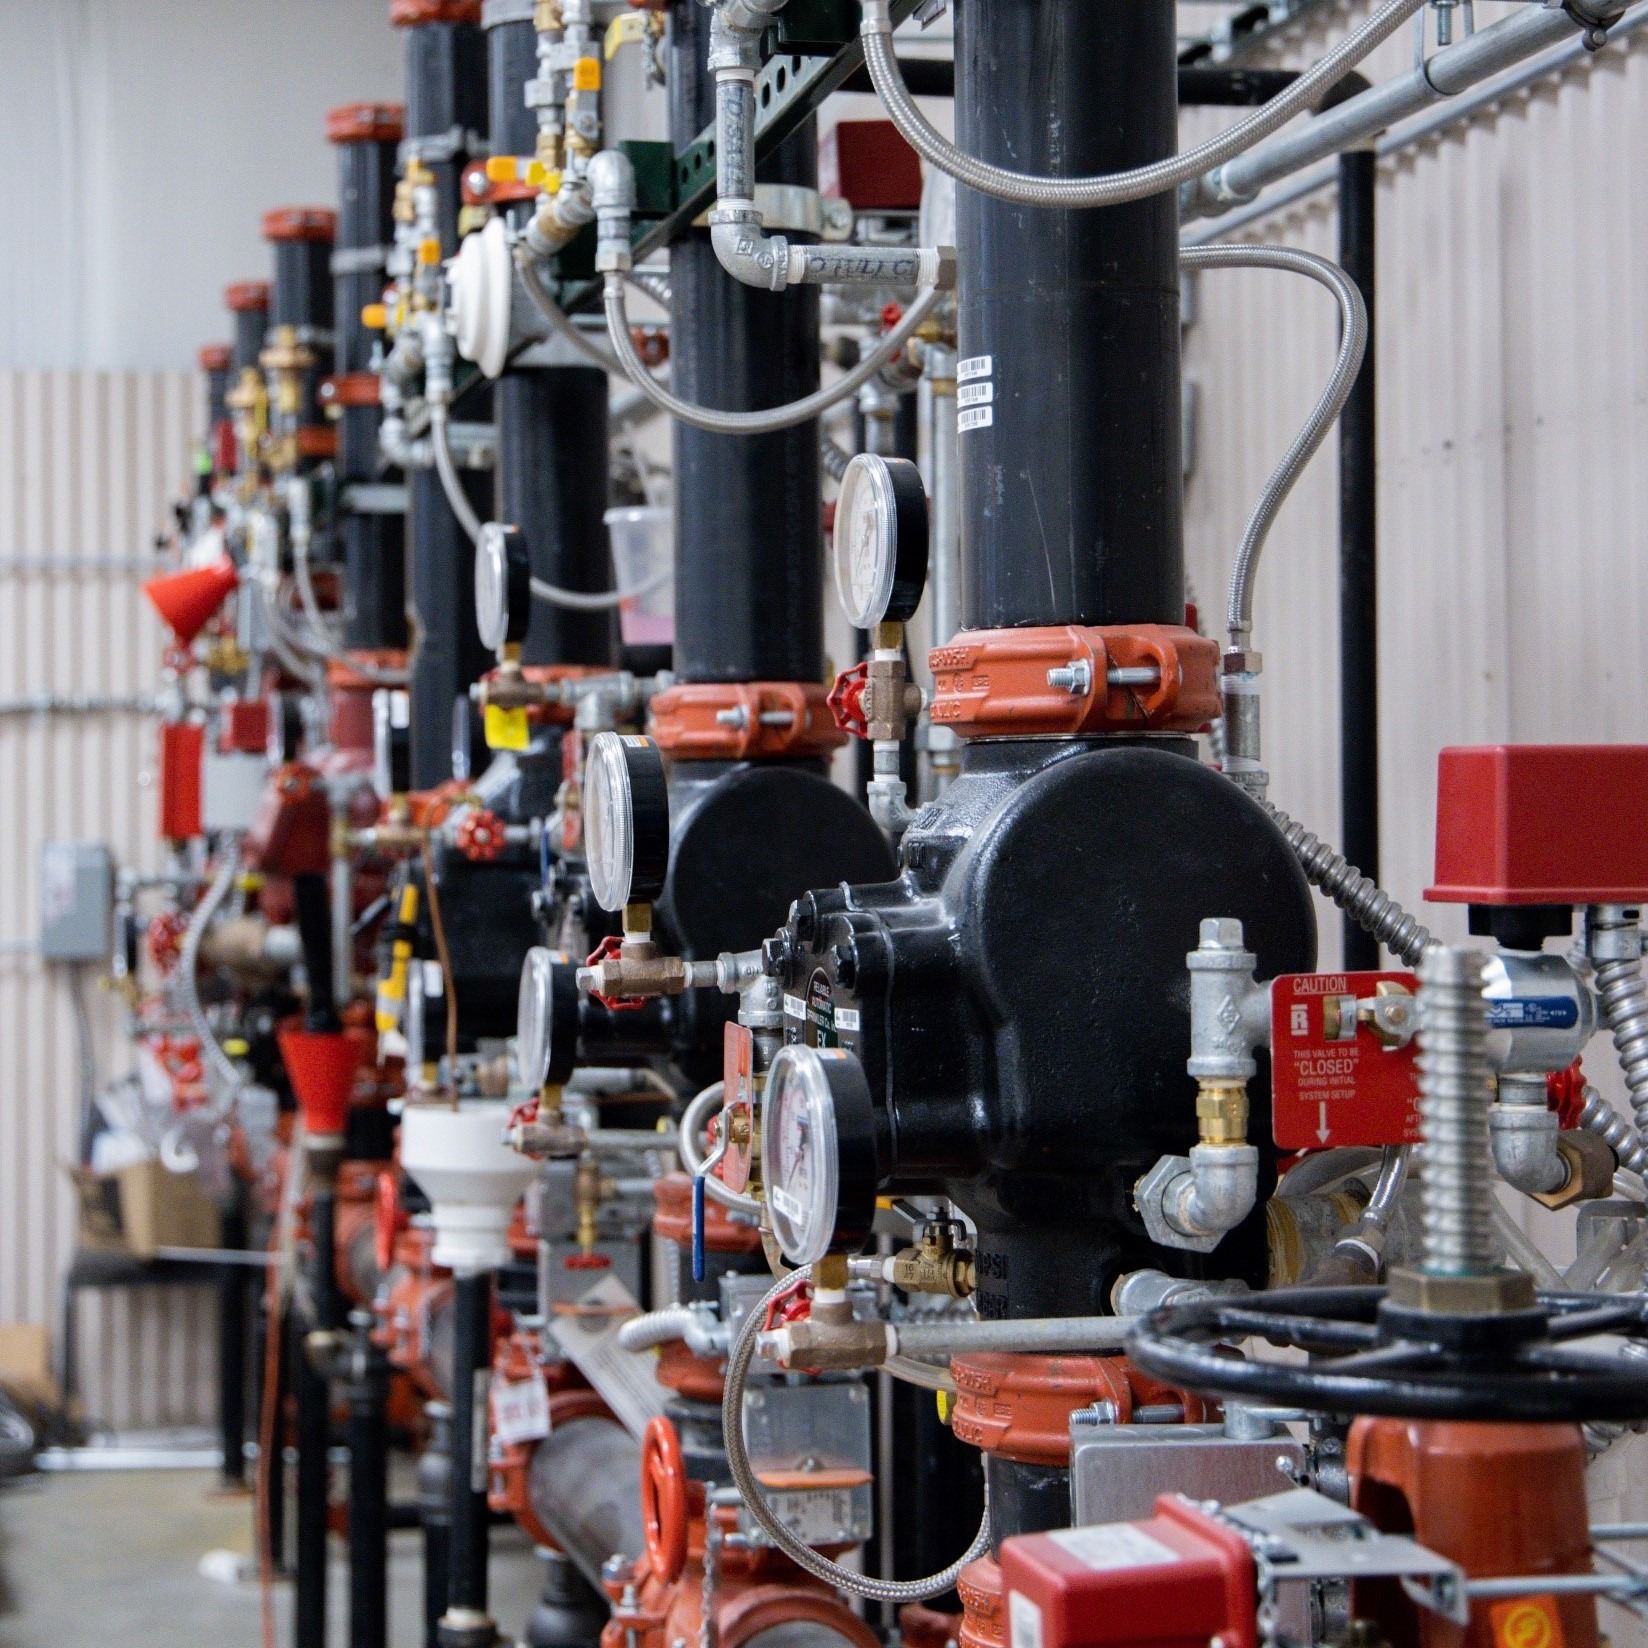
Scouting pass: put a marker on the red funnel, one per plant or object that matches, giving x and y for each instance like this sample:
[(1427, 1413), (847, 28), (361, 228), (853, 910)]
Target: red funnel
[(185, 600), (322, 1068)]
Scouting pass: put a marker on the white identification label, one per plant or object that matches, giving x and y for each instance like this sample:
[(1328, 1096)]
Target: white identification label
[(846, 1018), (979, 366), (433, 982), (977, 417), (794, 1008), (975, 394), (624, 1379), (1116, 1545), (520, 1410), (786, 1204), (1024, 1618)]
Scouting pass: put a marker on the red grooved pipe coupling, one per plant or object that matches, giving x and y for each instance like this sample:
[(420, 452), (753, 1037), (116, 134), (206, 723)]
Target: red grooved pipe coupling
[(1056, 682), (1019, 1407), (745, 720)]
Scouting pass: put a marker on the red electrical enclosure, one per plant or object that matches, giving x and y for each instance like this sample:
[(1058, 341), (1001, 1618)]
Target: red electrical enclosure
[(1542, 824), (243, 727), (1178, 1580), (868, 163), (182, 747)]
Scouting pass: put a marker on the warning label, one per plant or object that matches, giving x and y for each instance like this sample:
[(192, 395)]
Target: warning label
[(1343, 1060)]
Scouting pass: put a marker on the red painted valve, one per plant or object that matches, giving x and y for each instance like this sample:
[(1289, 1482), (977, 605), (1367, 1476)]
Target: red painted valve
[(846, 700), (480, 836)]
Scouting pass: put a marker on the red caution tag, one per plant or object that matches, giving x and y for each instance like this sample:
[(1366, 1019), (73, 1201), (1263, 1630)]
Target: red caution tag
[(1344, 1060), (738, 1105)]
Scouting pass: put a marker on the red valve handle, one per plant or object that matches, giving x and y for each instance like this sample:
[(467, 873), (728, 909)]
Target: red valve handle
[(480, 836), (664, 1500), (846, 700)]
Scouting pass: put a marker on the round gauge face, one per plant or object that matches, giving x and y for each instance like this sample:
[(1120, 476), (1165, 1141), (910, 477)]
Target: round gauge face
[(609, 823), (799, 1154), (866, 541), (491, 587), (534, 1018)]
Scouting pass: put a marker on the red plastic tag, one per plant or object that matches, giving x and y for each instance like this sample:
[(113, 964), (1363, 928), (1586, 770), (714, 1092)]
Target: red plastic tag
[(1336, 1080), (737, 1072)]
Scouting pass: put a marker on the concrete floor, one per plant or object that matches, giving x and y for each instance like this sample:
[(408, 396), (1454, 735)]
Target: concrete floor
[(113, 1556)]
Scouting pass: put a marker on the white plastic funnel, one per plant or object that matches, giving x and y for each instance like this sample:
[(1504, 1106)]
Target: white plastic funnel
[(472, 1179)]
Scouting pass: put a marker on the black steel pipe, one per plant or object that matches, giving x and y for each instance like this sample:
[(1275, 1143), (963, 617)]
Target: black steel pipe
[(471, 1364), (512, 60), (248, 302), (435, 1516), (552, 484), (748, 534), (368, 1437), (233, 1282), (1359, 557), (312, 899), (446, 101), (1069, 321)]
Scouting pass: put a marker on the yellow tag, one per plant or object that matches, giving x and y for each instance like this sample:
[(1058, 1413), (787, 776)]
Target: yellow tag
[(627, 30), (946, 1406), (507, 729), (429, 251), (541, 177), (374, 317), (502, 169), (586, 74)]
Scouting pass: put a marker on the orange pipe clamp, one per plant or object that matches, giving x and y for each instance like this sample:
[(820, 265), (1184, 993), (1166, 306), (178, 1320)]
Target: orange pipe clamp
[(744, 721), (1035, 683)]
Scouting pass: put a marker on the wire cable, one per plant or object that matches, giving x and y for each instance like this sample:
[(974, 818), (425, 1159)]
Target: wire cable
[(1353, 346), (1117, 188), (755, 1499), (560, 322), (445, 956), (451, 484), (778, 417), (189, 959)]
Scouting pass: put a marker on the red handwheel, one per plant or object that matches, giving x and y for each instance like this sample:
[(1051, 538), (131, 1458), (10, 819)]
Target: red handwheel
[(664, 1500)]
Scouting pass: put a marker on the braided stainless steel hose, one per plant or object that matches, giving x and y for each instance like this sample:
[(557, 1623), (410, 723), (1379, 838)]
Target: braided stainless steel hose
[(1616, 948), (755, 1498), (1117, 188), (1600, 1117), (1455, 1091), (1372, 909)]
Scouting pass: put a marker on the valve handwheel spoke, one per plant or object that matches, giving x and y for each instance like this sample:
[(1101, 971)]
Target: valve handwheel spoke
[(664, 1511)]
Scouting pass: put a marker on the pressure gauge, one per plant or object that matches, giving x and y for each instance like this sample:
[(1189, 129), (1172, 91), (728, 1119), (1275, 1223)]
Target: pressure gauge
[(880, 541), (626, 820), (818, 1156), (546, 1021), (503, 586)]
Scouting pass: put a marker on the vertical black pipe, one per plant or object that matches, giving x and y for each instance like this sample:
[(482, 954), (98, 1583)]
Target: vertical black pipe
[(275, 1512), (314, 1437), (301, 238), (552, 423), (446, 99), (312, 900), (471, 1362), (748, 515), (232, 1284), (248, 302), (366, 136), (368, 1438), (1359, 557), (1072, 482), (435, 1516)]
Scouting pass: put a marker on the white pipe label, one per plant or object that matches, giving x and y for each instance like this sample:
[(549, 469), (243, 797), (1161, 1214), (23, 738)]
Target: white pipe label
[(976, 417), (975, 394), (977, 366)]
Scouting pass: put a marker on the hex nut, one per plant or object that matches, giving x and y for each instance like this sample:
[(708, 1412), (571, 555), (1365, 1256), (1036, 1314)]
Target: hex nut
[(1495, 1295)]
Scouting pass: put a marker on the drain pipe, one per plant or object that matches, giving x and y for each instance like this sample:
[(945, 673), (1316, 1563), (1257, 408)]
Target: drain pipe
[(466, 1622)]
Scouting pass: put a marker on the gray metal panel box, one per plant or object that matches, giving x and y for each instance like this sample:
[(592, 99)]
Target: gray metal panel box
[(1117, 1471), (76, 900)]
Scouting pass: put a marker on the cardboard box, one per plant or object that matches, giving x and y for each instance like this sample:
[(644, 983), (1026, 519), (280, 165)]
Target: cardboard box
[(142, 1209), (25, 1362)]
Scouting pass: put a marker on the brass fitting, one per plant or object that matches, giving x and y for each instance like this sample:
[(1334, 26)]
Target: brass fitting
[(935, 1265), (546, 17), (1591, 1167), (591, 1188), (1222, 1111), (639, 969), (508, 689)]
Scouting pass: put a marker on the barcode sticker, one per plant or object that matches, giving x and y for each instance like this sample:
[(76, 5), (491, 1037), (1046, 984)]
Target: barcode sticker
[(974, 394), (977, 417), (520, 1410), (977, 366)]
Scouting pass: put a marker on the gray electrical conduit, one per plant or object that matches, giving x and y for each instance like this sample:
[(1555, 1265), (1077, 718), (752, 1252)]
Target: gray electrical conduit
[(1117, 189), (199, 920), (755, 1498), (1353, 344), (778, 417)]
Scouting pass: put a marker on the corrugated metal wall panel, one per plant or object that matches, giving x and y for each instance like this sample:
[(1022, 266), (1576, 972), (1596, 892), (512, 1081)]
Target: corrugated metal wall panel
[(1513, 405), (88, 464)]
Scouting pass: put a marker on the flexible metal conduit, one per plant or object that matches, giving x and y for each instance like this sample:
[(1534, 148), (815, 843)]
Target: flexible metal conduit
[(1078, 193), (189, 960)]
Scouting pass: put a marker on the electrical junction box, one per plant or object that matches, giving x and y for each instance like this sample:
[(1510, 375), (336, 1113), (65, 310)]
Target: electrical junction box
[(231, 788), (76, 900), (869, 163)]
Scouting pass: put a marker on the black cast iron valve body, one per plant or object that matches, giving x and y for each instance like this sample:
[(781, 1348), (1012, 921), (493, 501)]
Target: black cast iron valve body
[(1019, 1001)]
